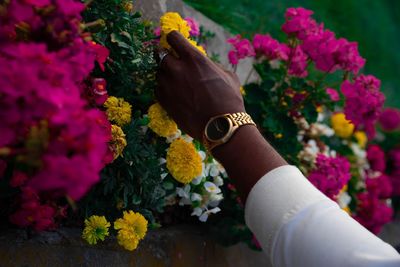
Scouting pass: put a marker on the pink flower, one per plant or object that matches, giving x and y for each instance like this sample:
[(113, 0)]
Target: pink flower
[(330, 54), (18, 179), (157, 31), (380, 186), (348, 56), (330, 174), (242, 48), (376, 158), (300, 24), (333, 94), (194, 26), (363, 102), (298, 62), (390, 119), (372, 212), (102, 54), (265, 45), (99, 91), (32, 212)]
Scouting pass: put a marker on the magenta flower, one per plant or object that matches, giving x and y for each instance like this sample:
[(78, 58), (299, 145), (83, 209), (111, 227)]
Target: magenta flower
[(394, 157), (330, 54), (380, 186), (300, 24), (265, 45), (157, 31), (330, 174), (102, 54), (364, 102), (242, 48), (194, 26), (372, 212), (390, 119), (298, 62), (333, 94), (376, 158)]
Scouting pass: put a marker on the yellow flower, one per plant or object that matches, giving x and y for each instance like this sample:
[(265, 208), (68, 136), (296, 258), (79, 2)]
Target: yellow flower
[(361, 138), (118, 110), (118, 142), (347, 210), (127, 6), (183, 161), (160, 122), (199, 47), (96, 228), (132, 228), (343, 128), (172, 21), (242, 91)]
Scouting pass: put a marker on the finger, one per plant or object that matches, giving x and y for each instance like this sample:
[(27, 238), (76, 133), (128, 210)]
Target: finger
[(166, 60), (180, 44)]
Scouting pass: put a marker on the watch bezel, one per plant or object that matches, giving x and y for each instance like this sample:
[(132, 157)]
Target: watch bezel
[(228, 133)]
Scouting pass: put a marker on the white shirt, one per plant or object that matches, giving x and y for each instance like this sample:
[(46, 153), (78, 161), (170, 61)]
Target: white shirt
[(297, 225)]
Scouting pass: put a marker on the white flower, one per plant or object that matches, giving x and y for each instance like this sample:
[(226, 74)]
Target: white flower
[(205, 215), (163, 175), (275, 64), (218, 181), (197, 180), (212, 188), (173, 137), (215, 199), (214, 170), (197, 212), (183, 192), (202, 154), (344, 199), (196, 197), (162, 161), (187, 138)]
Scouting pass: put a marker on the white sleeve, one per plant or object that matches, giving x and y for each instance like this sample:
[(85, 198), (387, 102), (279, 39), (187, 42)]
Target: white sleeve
[(298, 226)]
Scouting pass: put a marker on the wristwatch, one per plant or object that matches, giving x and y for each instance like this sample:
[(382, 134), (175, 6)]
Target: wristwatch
[(221, 128)]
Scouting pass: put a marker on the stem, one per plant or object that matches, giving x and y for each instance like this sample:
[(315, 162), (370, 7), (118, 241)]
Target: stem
[(249, 75)]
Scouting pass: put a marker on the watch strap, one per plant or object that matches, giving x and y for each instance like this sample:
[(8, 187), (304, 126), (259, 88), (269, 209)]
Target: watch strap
[(238, 119)]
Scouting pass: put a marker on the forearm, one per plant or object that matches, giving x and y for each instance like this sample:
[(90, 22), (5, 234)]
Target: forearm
[(247, 157)]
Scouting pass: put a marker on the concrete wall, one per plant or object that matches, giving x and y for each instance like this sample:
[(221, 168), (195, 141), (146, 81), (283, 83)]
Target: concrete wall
[(153, 10)]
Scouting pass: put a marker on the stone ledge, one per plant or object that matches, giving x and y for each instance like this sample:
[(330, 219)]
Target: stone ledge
[(176, 246)]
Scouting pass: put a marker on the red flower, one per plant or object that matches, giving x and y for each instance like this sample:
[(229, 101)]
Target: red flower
[(102, 54)]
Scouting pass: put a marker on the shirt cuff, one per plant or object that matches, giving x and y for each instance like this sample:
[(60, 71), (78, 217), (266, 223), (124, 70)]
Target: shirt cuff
[(275, 199)]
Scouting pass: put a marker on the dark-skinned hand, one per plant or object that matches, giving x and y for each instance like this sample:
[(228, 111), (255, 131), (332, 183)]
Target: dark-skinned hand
[(192, 88)]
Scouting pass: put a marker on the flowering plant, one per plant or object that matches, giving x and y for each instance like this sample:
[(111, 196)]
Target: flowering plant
[(82, 129)]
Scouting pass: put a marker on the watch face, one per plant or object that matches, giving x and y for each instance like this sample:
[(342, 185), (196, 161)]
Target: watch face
[(218, 128)]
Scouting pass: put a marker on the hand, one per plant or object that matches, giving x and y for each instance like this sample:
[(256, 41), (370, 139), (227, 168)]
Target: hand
[(192, 88)]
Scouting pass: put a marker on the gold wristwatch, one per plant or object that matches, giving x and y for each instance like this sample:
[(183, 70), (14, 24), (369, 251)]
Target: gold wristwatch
[(220, 129)]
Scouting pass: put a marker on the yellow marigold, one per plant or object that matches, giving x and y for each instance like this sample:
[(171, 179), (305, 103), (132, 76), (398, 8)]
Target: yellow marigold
[(96, 228), (118, 110), (242, 91), (361, 138), (118, 142), (199, 47), (183, 161), (132, 228), (172, 21), (160, 122), (128, 6), (343, 128)]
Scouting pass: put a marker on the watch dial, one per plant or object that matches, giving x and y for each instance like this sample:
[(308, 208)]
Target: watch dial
[(218, 128)]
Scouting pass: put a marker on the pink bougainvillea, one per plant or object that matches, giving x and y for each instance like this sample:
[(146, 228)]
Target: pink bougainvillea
[(242, 48), (330, 174), (364, 102), (57, 142)]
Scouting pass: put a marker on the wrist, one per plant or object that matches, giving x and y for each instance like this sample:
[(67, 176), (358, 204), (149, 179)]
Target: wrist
[(247, 157)]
